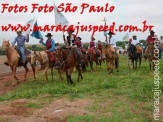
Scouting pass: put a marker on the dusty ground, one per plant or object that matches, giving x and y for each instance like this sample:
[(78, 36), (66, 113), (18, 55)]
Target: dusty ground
[(17, 112), (6, 78)]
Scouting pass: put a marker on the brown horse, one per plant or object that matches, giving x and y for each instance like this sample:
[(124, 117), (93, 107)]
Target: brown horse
[(67, 59), (93, 58), (13, 60), (110, 58), (152, 56)]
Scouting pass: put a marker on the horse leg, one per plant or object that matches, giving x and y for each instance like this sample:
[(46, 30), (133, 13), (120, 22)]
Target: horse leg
[(46, 75), (52, 73), (13, 78), (139, 62), (68, 80), (91, 64), (96, 66), (71, 70), (133, 64), (34, 71), (112, 66), (136, 63), (117, 65), (26, 71), (14, 74), (79, 73)]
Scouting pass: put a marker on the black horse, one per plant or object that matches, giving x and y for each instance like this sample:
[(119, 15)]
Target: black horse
[(134, 56)]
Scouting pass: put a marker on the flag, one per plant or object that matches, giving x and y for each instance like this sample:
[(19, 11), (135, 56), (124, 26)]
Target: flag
[(60, 19), (36, 33), (31, 23)]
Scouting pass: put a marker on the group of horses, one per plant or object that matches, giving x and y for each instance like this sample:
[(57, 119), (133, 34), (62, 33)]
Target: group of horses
[(66, 59)]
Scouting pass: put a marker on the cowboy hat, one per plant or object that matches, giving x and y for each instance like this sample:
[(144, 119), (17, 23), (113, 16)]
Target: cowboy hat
[(134, 36), (48, 34), (19, 30), (79, 38), (93, 38), (152, 31), (99, 41), (110, 33)]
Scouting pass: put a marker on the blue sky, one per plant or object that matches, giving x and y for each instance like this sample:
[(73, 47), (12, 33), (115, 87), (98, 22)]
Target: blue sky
[(126, 12)]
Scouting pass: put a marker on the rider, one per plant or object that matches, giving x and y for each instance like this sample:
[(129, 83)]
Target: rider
[(99, 45), (80, 45), (20, 40), (112, 40), (70, 41), (150, 40), (50, 46), (136, 43)]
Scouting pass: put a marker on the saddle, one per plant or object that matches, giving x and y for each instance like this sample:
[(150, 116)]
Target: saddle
[(27, 52)]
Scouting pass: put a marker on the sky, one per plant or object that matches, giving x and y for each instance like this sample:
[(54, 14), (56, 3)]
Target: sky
[(126, 12)]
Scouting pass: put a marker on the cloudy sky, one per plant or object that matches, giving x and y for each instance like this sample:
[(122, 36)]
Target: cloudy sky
[(127, 12)]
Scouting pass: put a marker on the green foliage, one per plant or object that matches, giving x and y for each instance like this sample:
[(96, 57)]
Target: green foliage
[(122, 44)]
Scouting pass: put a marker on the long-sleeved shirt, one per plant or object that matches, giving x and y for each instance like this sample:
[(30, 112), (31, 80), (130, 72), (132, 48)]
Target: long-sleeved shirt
[(20, 40), (112, 41), (150, 39), (52, 44)]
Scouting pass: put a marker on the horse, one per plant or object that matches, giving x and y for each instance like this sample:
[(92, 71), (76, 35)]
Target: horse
[(151, 55), (44, 60), (135, 54), (67, 58), (13, 59), (93, 58), (110, 58)]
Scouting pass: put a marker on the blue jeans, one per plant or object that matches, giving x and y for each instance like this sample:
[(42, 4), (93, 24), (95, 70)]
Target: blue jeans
[(159, 51), (22, 50)]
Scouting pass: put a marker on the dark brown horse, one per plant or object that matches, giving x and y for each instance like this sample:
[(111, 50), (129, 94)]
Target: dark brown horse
[(67, 59)]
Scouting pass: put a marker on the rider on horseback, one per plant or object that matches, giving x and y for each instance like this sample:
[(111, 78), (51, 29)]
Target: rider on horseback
[(80, 45), (135, 42), (71, 42), (151, 40), (50, 46), (20, 40), (112, 40), (92, 46)]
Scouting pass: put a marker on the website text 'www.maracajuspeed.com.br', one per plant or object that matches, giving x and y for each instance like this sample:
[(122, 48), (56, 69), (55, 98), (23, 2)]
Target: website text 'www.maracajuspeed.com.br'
[(79, 27)]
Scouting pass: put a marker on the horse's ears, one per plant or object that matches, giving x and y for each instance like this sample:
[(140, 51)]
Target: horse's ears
[(34, 52)]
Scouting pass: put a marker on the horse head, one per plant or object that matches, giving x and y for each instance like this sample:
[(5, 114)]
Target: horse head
[(58, 58), (5, 46), (33, 57)]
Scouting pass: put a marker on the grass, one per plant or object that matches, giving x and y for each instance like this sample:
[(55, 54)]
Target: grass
[(132, 85), (32, 105)]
